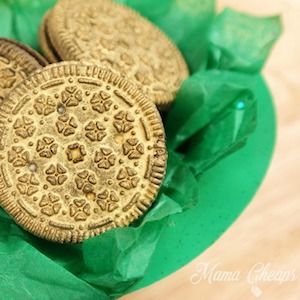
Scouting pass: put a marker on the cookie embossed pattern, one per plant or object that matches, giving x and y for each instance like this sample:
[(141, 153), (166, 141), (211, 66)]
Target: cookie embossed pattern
[(17, 61), (92, 159), (118, 38)]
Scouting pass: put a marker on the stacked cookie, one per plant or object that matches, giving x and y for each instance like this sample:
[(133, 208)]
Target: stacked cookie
[(82, 142), (116, 37)]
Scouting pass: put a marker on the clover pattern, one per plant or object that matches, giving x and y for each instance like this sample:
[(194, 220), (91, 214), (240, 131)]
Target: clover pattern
[(84, 35), (71, 96), (127, 178), (46, 147), (24, 127), (133, 148), (50, 205), (75, 153), (44, 105), (127, 59), (107, 200), (143, 77), (66, 124), (7, 78), (18, 157), (95, 131), (80, 209), (108, 44), (85, 181), (27, 184), (101, 102), (56, 174), (124, 121), (105, 158)]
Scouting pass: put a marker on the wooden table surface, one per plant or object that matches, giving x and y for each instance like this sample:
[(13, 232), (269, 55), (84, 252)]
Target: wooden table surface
[(268, 231)]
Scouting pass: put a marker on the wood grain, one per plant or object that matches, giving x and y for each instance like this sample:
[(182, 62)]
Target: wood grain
[(269, 229)]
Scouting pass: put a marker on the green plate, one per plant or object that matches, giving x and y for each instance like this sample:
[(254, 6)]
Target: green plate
[(226, 190), (31, 268)]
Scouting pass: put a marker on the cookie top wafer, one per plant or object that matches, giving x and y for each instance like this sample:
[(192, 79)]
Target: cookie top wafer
[(119, 38), (44, 41), (17, 61), (82, 151)]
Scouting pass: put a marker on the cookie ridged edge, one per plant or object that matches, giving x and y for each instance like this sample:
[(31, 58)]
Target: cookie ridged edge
[(150, 112), (24, 55)]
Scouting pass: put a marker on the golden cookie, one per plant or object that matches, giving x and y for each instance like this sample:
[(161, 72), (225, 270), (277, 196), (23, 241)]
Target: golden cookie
[(17, 61), (82, 151), (121, 39), (44, 42)]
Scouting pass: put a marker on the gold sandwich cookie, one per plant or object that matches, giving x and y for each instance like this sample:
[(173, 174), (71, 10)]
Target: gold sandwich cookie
[(17, 61), (119, 38), (82, 151)]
